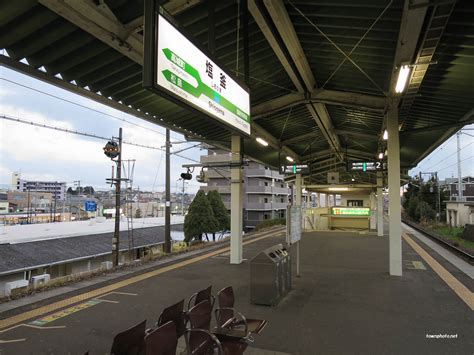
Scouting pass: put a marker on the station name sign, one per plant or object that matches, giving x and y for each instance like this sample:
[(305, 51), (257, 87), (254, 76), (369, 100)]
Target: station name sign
[(294, 169), (350, 211), (186, 75), (367, 166)]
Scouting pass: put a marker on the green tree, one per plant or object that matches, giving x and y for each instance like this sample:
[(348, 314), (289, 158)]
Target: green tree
[(200, 218), (138, 213), (89, 190), (220, 212), (425, 212)]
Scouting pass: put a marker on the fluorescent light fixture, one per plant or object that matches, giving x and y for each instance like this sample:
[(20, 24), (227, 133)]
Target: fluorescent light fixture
[(380, 155), (353, 179), (290, 159), (262, 141), (385, 135), (402, 79), (338, 189), (386, 152)]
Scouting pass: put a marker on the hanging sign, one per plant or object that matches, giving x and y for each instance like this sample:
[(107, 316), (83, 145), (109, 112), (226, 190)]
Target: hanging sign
[(295, 169), (191, 78), (367, 166)]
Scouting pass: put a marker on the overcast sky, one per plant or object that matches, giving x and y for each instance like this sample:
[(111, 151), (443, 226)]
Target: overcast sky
[(44, 154)]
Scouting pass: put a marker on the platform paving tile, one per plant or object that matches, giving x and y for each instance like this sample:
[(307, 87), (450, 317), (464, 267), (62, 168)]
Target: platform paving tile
[(344, 303)]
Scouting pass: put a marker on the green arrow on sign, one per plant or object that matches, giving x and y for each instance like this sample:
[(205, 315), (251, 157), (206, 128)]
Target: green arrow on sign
[(201, 89)]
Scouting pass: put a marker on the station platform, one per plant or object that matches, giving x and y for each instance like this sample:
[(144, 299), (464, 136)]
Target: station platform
[(344, 302)]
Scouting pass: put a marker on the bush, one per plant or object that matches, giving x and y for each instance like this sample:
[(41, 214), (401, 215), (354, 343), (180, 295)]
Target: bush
[(270, 222)]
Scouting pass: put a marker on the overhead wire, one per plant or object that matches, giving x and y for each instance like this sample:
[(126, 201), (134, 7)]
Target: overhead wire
[(90, 135), (84, 106)]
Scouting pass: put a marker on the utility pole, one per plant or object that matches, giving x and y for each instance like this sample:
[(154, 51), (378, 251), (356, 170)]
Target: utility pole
[(458, 136), (78, 213), (113, 150), (116, 238), (167, 196), (182, 199)]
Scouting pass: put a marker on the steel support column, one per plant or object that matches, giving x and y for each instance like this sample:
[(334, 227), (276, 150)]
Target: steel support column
[(395, 224), (379, 204), (298, 193), (236, 222)]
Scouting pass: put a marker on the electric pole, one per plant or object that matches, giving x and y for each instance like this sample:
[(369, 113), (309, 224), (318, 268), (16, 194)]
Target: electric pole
[(116, 239), (114, 150), (167, 196), (458, 136), (78, 213)]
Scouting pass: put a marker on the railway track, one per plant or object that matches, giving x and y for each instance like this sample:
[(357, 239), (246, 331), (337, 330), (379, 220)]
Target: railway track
[(461, 253)]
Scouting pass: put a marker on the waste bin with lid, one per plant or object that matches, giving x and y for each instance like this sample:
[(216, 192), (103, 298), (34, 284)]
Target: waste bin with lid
[(270, 275)]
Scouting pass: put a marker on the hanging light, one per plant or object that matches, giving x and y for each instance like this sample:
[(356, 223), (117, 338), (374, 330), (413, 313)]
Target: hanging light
[(380, 155), (385, 135), (290, 159), (262, 141), (402, 78)]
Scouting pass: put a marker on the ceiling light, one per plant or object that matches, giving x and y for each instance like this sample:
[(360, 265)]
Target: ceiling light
[(353, 179), (385, 135), (338, 189), (402, 78), (386, 152), (290, 159), (380, 155), (262, 141)]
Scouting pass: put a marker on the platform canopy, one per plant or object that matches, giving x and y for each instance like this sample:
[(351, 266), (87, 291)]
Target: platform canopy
[(321, 73)]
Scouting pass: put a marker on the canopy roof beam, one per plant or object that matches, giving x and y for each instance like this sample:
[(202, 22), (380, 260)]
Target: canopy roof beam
[(332, 97), (92, 19), (284, 26)]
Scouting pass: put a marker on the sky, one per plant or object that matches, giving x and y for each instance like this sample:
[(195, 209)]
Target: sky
[(43, 154)]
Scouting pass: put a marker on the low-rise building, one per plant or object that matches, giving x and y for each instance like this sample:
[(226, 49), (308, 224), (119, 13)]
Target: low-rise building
[(57, 189), (30, 200)]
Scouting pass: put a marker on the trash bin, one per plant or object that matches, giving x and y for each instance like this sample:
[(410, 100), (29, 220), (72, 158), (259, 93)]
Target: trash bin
[(270, 275)]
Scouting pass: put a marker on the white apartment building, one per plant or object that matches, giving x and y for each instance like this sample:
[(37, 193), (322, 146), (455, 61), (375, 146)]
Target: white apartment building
[(57, 189)]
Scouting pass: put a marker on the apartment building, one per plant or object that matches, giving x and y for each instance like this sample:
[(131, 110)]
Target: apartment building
[(265, 193), (57, 189)]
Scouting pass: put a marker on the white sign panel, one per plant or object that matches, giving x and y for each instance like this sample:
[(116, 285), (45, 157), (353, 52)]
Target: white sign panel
[(293, 224), (186, 72)]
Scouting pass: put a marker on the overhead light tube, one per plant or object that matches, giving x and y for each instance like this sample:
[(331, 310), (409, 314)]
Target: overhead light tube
[(262, 141), (338, 189), (290, 159), (385, 135), (380, 155), (402, 78)]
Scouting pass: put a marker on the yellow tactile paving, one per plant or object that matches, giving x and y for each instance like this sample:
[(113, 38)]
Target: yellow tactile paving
[(461, 290), (8, 322)]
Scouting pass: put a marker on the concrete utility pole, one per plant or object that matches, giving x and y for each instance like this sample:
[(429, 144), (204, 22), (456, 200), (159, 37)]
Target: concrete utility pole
[(458, 137), (116, 239), (167, 196), (182, 199), (78, 184)]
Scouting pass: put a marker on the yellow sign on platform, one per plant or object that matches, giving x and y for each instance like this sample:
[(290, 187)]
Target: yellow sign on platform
[(64, 313)]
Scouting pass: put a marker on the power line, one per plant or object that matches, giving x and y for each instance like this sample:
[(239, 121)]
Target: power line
[(449, 156), (83, 106), (87, 135), (472, 156), (436, 152)]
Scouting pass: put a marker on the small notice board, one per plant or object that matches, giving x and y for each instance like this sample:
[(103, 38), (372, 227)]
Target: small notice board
[(293, 224)]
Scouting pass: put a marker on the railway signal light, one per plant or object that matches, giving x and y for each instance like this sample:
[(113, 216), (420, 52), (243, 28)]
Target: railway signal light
[(111, 149)]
